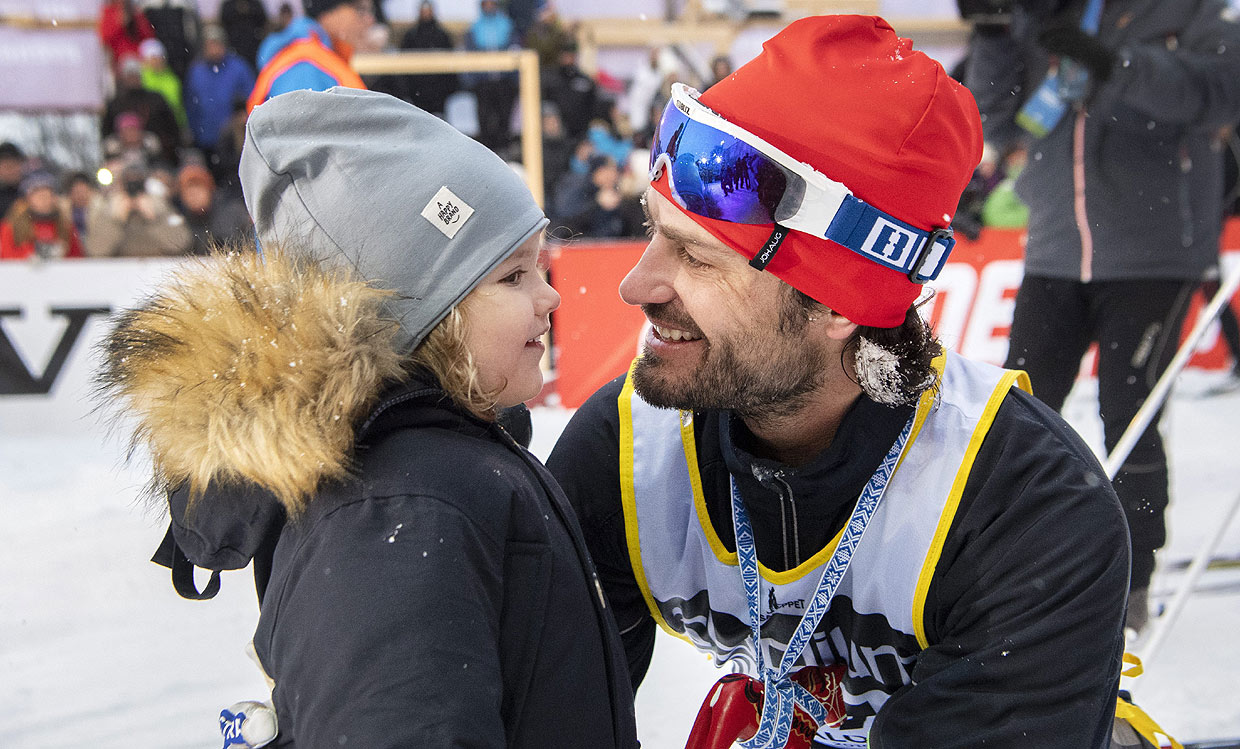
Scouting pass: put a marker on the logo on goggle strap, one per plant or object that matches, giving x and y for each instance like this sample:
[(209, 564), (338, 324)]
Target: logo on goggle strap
[(890, 243)]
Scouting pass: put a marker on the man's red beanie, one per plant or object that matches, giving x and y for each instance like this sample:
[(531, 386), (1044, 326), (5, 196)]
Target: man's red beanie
[(853, 100)]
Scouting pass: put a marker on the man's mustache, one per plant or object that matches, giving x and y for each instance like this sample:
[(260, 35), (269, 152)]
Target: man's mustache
[(671, 315)]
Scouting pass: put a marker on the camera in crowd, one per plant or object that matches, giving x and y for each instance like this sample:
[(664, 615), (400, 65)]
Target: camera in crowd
[(134, 183)]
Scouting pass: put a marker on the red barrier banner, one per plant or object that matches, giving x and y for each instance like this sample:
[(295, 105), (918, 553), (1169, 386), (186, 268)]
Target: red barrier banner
[(597, 334)]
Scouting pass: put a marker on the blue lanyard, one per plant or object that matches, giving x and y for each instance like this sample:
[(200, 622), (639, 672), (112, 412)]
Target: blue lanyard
[(782, 694)]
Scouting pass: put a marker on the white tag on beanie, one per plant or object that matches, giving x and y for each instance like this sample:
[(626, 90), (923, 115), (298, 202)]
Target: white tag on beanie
[(447, 212)]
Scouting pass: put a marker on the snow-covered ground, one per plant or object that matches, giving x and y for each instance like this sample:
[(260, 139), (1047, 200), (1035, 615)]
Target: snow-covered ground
[(96, 650)]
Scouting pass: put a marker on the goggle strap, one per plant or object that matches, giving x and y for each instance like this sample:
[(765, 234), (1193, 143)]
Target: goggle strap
[(882, 238), (772, 245)]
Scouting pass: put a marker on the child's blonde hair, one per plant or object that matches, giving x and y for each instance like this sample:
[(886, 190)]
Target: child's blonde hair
[(444, 354)]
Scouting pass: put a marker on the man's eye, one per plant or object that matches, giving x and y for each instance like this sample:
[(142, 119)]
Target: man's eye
[(689, 260)]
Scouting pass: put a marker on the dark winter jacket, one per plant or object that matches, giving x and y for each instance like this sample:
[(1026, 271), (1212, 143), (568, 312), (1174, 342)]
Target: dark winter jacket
[(9, 194), (177, 25), (226, 222), (576, 95), (430, 92), (1023, 613), (1129, 186), (429, 585), (245, 24)]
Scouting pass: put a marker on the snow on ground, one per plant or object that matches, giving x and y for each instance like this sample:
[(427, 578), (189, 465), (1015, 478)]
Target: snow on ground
[(97, 650)]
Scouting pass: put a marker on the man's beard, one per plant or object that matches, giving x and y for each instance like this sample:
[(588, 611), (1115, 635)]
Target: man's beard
[(774, 378)]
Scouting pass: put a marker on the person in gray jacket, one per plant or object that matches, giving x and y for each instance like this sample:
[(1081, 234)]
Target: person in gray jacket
[(1125, 205)]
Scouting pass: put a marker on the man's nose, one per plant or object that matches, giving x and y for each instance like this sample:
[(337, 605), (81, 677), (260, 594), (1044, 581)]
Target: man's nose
[(650, 281)]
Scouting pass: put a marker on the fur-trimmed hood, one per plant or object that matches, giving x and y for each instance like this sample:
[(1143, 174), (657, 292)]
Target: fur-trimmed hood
[(249, 369)]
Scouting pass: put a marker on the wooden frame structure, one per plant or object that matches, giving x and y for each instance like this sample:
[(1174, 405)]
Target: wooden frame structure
[(524, 62)]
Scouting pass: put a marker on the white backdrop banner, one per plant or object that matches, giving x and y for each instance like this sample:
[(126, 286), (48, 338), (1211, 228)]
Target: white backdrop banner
[(52, 316), (51, 56)]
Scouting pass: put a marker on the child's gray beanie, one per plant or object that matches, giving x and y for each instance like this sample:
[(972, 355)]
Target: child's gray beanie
[(409, 202)]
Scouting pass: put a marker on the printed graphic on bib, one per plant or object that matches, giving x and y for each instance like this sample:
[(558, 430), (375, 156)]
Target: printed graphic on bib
[(880, 659)]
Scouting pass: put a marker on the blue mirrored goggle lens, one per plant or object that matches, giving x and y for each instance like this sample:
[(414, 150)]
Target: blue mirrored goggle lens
[(719, 176)]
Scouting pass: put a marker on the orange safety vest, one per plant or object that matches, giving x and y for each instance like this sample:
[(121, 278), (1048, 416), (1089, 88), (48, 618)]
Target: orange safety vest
[(311, 50)]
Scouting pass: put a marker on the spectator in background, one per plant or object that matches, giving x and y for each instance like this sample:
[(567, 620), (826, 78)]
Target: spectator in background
[(313, 51), (1124, 190), (572, 90), (178, 27), (40, 225), (607, 137), (245, 23), (548, 37), (158, 77), (579, 162), (649, 89), (720, 68), (216, 81), (130, 141), (591, 204), (284, 16), (12, 167), (1003, 208), (122, 27), (131, 221), (227, 157), (557, 151), (156, 116), (81, 191), (429, 92), (161, 181), (496, 91), (524, 15), (213, 218)]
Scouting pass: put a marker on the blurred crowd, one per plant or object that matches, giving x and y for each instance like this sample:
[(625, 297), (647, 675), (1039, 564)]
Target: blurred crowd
[(172, 129)]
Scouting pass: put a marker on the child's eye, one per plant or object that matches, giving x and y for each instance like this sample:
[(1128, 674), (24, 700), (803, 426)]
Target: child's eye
[(514, 278)]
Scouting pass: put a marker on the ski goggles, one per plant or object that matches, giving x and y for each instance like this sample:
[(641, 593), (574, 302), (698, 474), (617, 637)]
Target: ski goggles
[(719, 170)]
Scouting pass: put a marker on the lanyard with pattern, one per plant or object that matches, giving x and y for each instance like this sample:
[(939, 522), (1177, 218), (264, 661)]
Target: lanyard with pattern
[(782, 694)]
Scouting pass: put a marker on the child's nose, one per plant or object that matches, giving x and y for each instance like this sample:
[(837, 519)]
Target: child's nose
[(550, 298)]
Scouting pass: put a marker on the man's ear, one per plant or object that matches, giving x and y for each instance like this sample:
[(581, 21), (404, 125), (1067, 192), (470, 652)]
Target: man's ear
[(837, 326)]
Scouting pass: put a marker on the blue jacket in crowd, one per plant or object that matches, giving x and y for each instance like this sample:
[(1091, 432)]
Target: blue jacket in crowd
[(211, 92), (304, 74)]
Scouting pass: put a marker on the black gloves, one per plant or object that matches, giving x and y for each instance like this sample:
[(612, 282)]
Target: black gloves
[(1085, 49)]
